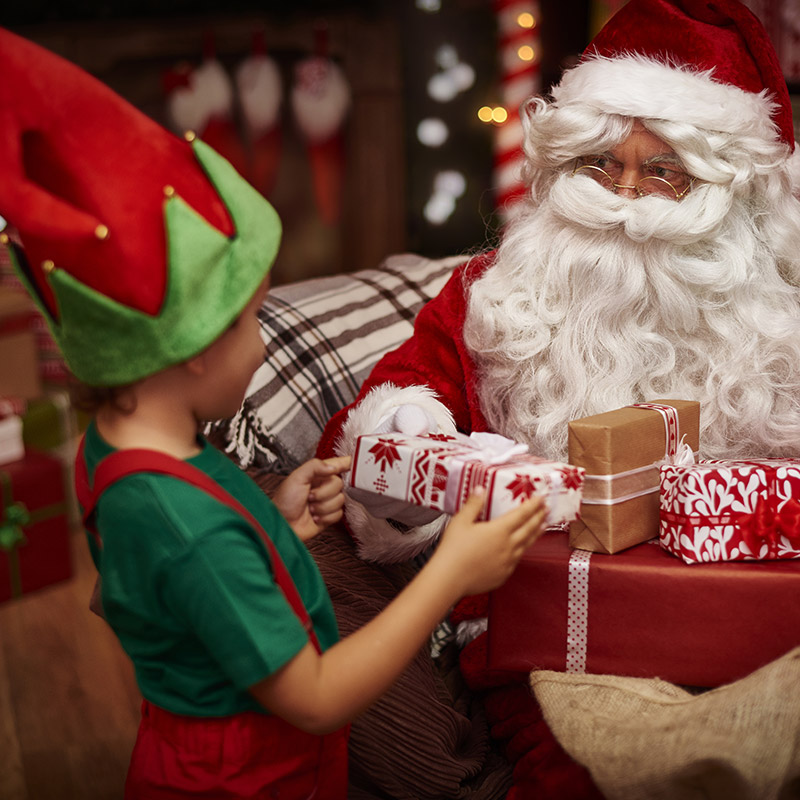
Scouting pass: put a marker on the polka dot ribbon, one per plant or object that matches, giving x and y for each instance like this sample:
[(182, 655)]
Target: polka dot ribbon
[(577, 610)]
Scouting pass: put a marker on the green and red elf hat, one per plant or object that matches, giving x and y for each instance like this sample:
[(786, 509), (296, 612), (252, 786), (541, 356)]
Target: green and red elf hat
[(141, 248)]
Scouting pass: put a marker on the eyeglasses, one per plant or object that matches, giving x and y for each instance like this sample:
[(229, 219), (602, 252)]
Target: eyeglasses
[(661, 179)]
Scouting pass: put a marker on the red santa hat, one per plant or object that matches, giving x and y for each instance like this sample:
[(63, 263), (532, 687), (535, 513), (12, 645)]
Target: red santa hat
[(707, 62)]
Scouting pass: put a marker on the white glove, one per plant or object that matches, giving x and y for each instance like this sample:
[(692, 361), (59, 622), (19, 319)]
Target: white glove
[(412, 420)]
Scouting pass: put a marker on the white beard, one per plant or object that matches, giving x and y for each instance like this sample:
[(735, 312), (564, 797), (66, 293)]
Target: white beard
[(597, 301)]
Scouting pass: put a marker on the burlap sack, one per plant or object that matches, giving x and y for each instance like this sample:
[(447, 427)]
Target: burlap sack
[(648, 739)]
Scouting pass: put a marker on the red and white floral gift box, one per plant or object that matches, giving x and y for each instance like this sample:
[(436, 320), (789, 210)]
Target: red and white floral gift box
[(731, 510), (440, 471)]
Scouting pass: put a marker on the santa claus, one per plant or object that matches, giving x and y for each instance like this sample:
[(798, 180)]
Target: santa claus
[(657, 254)]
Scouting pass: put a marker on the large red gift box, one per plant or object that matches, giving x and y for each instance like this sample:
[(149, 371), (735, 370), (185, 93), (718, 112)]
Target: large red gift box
[(34, 532), (642, 613), (731, 510), (440, 471)]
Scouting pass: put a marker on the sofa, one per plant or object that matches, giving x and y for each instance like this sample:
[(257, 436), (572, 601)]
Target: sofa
[(427, 737)]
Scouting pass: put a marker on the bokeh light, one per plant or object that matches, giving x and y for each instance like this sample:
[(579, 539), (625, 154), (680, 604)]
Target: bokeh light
[(526, 20), (432, 132), (526, 53)]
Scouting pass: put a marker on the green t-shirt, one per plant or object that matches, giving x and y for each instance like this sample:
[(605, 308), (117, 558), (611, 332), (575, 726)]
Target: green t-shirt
[(187, 585)]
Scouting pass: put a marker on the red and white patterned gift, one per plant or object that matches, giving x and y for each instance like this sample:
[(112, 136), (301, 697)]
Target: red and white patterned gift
[(440, 471), (731, 510)]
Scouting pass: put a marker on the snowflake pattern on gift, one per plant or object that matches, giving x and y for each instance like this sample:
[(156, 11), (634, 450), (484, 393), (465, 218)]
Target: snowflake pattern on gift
[(572, 478), (385, 453), (523, 486), (439, 437), (730, 511)]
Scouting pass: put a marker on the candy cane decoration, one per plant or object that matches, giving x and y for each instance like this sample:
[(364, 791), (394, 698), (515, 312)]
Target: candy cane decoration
[(518, 33)]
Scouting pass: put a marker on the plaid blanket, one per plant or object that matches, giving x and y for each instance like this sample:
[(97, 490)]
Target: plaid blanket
[(323, 337)]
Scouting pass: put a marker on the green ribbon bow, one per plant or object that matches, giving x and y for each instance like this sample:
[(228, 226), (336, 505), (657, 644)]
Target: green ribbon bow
[(15, 518)]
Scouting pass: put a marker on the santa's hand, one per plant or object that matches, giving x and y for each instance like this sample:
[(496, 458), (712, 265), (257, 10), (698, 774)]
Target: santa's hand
[(400, 513), (410, 419)]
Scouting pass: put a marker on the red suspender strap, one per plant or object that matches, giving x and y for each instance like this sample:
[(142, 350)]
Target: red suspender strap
[(126, 462)]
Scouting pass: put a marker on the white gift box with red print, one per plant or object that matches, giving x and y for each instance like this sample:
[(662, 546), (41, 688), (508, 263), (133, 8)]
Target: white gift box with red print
[(440, 471), (731, 510)]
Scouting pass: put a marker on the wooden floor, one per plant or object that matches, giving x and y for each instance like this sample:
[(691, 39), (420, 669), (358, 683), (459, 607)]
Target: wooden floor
[(69, 705)]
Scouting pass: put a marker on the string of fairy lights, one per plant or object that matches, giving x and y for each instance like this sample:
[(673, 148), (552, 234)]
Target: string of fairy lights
[(517, 23)]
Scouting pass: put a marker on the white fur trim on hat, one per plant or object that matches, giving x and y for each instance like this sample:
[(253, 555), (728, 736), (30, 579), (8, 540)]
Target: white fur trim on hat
[(642, 87)]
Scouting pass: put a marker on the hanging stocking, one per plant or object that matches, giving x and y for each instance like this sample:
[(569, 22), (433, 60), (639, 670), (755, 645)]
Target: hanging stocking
[(320, 101), (258, 82), (201, 100)]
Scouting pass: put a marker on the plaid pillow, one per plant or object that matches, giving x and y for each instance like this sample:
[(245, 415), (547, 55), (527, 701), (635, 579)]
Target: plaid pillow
[(323, 337)]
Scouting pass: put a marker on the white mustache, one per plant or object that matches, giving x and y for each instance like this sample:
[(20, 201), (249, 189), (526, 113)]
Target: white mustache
[(581, 201)]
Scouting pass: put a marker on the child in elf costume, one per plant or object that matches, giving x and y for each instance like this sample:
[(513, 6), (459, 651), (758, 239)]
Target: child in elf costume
[(149, 256)]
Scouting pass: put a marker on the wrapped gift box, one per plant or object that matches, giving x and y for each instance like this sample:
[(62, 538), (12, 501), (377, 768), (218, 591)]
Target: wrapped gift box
[(731, 510), (19, 365), (621, 451), (50, 425), (440, 471), (52, 368), (11, 445), (642, 613), (34, 533)]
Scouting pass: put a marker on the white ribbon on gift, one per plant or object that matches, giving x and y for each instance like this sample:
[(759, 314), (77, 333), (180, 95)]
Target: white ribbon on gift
[(493, 449), (606, 488), (488, 448)]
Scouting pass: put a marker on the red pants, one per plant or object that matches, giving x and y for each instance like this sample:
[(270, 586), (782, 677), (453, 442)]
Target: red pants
[(248, 755)]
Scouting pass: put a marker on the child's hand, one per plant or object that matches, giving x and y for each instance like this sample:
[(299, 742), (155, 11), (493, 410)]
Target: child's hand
[(311, 497), (482, 555)]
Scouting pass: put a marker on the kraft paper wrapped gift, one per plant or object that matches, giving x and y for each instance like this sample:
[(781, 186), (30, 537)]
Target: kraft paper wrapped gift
[(19, 365), (439, 471), (731, 510), (34, 533), (621, 451), (642, 613)]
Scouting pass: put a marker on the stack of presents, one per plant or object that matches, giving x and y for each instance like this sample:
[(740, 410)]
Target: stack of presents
[(38, 433), (656, 564)]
